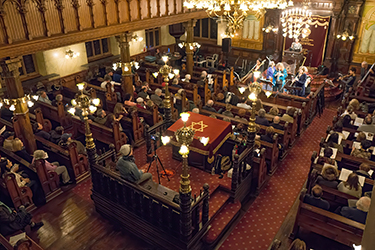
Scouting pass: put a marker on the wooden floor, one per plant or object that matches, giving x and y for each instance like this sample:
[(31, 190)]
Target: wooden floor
[(72, 223)]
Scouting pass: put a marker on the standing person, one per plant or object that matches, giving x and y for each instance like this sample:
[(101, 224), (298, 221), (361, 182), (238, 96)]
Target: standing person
[(271, 69), (300, 80), (120, 114), (296, 46), (279, 77), (366, 68)]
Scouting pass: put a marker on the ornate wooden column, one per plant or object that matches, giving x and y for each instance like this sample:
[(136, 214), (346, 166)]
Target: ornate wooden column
[(41, 5), (75, 5), (368, 239), (127, 76), (104, 5), (189, 28), (21, 7), (91, 4), (59, 6), (3, 26), (10, 72)]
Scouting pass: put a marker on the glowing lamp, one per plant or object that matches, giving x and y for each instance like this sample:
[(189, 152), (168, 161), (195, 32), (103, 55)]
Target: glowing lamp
[(184, 116), (204, 140), (180, 45), (96, 101), (257, 74), (81, 86), (253, 97), (357, 247), (176, 71), (12, 107), (183, 150), (165, 140), (92, 108), (338, 36), (268, 94), (72, 111), (165, 58), (74, 102), (170, 75), (35, 97), (1, 104), (242, 90), (30, 104), (114, 66)]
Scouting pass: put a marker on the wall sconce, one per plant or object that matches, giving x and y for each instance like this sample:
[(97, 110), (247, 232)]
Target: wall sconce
[(191, 45), (137, 38), (270, 28), (71, 54), (344, 36)]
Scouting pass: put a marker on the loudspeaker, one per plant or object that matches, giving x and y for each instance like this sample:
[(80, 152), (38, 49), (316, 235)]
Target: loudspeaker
[(226, 44)]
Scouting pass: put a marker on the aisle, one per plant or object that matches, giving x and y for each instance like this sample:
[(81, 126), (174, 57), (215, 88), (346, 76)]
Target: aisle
[(258, 227)]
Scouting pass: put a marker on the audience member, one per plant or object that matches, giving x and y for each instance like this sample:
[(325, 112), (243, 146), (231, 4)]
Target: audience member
[(338, 129), (326, 158), (243, 104), (195, 110), (220, 98), (350, 111), (364, 170), (143, 93), (127, 167), (347, 122), (367, 126), (359, 213), (20, 150), (54, 166), (351, 186), (227, 111), (209, 106), (141, 103), (156, 98), (274, 111), (213, 116), (361, 137), (276, 123), (44, 98), (333, 142), (8, 140), (12, 221), (355, 104), (261, 118), (56, 134), (58, 98), (298, 244), (328, 177), (242, 113), (38, 130), (187, 78), (315, 198), (288, 116), (117, 75), (101, 117), (66, 140), (268, 136), (5, 113), (363, 151), (129, 100), (175, 83)]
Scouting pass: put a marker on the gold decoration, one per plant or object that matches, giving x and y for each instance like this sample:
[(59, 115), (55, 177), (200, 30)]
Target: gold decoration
[(200, 129)]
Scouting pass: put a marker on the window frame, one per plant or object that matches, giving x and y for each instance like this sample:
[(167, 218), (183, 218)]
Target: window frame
[(101, 55), (155, 38), (199, 25), (27, 76)]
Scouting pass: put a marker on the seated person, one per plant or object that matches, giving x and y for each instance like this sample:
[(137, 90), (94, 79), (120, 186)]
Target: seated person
[(187, 78), (195, 110), (328, 177), (268, 137), (261, 118), (129, 100), (120, 113), (5, 113), (20, 150), (364, 170), (58, 98), (101, 117), (326, 158), (351, 186), (288, 116), (349, 80), (156, 97), (244, 104), (12, 221), (298, 244), (361, 137), (220, 98), (54, 166), (359, 213), (116, 77), (56, 134), (315, 198), (44, 98), (66, 139), (274, 111), (350, 111), (347, 122), (367, 126), (175, 84), (38, 130), (8, 140), (337, 128), (127, 167), (355, 104), (363, 152), (143, 93), (141, 103), (276, 123), (333, 142), (209, 106), (227, 111)]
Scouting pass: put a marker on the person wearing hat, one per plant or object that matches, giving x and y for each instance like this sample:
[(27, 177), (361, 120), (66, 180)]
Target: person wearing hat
[(141, 103), (54, 166), (66, 139), (127, 167), (8, 140), (101, 117)]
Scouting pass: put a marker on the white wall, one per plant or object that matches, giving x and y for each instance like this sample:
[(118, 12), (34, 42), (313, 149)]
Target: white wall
[(135, 47), (54, 61)]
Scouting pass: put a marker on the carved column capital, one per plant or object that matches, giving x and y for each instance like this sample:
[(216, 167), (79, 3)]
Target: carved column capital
[(10, 67), (75, 4), (90, 3), (59, 4)]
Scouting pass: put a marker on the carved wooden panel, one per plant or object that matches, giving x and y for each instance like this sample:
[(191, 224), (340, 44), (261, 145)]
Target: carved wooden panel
[(98, 13)]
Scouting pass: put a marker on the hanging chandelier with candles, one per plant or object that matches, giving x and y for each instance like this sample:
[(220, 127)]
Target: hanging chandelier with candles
[(235, 12), (296, 22)]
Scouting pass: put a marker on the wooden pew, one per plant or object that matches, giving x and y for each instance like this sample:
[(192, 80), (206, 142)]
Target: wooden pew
[(18, 195), (327, 224), (22, 244), (53, 113)]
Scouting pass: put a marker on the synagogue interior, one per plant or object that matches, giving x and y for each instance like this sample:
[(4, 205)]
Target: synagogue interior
[(187, 124)]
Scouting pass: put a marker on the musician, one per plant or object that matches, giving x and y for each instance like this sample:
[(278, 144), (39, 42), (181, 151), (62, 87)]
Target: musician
[(366, 68), (271, 69), (300, 80), (279, 77), (348, 79), (296, 46)]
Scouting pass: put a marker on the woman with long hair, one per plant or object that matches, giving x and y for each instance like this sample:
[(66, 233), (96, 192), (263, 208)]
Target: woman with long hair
[(351, 186), (328, 177), (279, 76), (120, 114)]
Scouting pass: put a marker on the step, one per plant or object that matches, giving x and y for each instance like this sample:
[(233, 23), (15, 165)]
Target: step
[(217, 202), (222, 222)]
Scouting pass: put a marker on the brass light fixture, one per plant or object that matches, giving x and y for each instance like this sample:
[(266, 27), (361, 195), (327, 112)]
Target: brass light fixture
[(345, 36), (70, 54)]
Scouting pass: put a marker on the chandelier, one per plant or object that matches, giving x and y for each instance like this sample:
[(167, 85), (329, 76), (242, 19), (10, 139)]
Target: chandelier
[(236, 11), (190, 45), (345, 35), (296, 22)]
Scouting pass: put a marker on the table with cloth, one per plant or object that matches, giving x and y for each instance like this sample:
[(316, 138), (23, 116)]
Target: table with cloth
[(217, 130)]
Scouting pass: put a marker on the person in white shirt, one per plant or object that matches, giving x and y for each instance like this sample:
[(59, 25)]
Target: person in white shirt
[(350, 111), (243, 104), (107, 79)]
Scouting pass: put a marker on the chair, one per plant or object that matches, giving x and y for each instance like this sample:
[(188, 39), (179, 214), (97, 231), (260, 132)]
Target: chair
[(211, 61)]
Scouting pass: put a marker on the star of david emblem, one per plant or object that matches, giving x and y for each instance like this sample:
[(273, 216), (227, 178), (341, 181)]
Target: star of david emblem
[(200, 129)]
